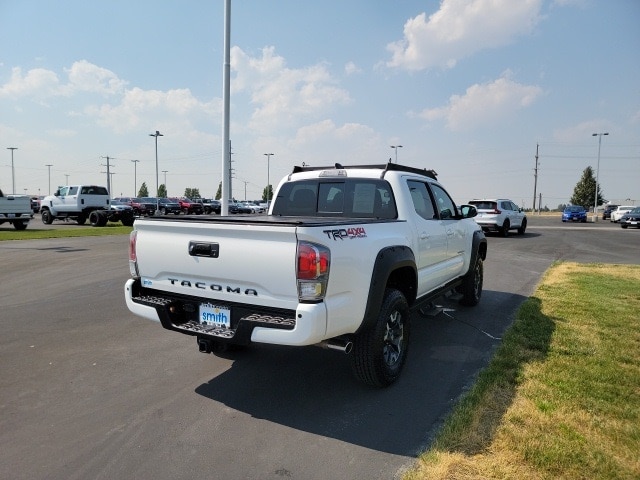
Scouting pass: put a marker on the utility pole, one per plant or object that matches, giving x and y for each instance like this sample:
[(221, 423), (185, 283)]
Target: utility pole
[(268, 155), (49, 165), (535, 182), (135, 181), (108, 173), (13, 175)]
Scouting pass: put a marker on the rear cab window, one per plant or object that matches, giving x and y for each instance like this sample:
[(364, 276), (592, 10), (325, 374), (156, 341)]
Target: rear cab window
[(350, 198)]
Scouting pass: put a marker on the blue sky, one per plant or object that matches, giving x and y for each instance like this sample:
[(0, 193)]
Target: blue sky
[(468, 88)]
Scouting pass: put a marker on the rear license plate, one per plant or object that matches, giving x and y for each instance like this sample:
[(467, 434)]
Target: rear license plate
[(214, 315)]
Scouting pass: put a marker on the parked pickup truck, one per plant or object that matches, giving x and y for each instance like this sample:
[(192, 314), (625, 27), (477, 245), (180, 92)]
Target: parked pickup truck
[(15, 209), (342, 259), (82, 203)]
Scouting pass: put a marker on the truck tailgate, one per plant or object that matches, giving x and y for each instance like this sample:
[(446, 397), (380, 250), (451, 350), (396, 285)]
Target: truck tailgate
[(235, 262)]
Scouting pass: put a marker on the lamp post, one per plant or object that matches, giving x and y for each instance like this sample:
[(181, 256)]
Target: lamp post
[(268, 155), (13, 175), (595, 201), (157, 134), (135, 174), (396, 147), (49, 165)]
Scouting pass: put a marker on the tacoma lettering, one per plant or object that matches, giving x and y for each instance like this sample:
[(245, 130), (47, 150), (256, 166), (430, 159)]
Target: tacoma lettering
[(214, 287)]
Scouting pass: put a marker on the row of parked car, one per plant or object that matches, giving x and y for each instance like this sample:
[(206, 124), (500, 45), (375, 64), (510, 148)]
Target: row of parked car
[(146, 206), (626, 215), (501, 215)]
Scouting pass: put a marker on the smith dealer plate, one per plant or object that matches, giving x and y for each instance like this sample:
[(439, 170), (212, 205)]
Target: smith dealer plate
[(214, 315)]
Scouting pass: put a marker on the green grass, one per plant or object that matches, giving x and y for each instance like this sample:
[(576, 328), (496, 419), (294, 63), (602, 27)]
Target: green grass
[(68, 231), (561, 397)]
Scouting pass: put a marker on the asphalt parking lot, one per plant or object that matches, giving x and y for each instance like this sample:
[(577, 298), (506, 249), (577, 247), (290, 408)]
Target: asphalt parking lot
[(87, 390)]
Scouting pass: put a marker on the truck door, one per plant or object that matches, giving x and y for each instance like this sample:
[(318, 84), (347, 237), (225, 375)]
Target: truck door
[(455, 231), (430, 239), (58, 200), (71, 199)]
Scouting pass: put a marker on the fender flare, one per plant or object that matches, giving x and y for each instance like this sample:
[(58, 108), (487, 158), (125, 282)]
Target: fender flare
[(388, 260), (478, 248)]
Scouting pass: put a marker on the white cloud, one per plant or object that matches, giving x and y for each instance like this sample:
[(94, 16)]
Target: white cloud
[(87, 77), (580, 132), (461, 28), (141, 107), (484, 104), (283, 96), (37, 82), (351, 68), (318, 143)]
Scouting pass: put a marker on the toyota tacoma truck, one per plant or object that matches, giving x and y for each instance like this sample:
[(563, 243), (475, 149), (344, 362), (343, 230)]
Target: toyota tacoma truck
[(343, 258)]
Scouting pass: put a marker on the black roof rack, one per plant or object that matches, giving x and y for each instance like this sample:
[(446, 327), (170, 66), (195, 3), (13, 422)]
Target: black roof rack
[(385, 167)]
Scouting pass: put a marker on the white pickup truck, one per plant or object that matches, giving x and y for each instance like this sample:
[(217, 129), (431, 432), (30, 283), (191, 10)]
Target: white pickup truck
[(342, 259), (82, 203), (15, 209)]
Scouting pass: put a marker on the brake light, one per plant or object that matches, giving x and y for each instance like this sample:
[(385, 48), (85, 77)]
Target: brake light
[(496, 211), (312, 271), (133, 258)]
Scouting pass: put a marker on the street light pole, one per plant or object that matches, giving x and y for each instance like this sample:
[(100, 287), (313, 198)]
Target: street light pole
[(49, 165), (13, 175), (396, 147), (135, 174), (157, 134), (595, 201), (268, 155)]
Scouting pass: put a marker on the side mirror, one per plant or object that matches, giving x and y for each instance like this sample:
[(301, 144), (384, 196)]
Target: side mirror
[(468, 211)]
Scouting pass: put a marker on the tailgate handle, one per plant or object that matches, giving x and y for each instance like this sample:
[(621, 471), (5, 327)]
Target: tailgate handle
[(202, 249)]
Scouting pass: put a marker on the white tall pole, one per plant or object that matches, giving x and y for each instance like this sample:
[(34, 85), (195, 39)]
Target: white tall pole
[(595, 201), (135, 175), (13, 175), (226, 93), (268, 155), (157, 134)]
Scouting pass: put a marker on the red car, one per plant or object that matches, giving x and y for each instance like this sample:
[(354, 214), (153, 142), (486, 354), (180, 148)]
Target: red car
[(189, 207), (139, 208)]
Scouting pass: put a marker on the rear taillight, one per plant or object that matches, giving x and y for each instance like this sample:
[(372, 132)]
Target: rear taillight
[(133, 259), (312, 271), (496, 211)]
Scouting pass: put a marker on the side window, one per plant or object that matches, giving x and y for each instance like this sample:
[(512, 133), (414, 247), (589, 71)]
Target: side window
[(446, 208), (73, 191), (63, 191), (421, 200)]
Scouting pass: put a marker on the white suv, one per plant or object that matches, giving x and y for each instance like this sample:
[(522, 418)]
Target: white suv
[(499, 215)]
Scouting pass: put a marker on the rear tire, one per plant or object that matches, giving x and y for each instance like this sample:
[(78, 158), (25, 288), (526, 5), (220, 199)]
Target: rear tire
[(97, 219), (379, 352), (20, 225)]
